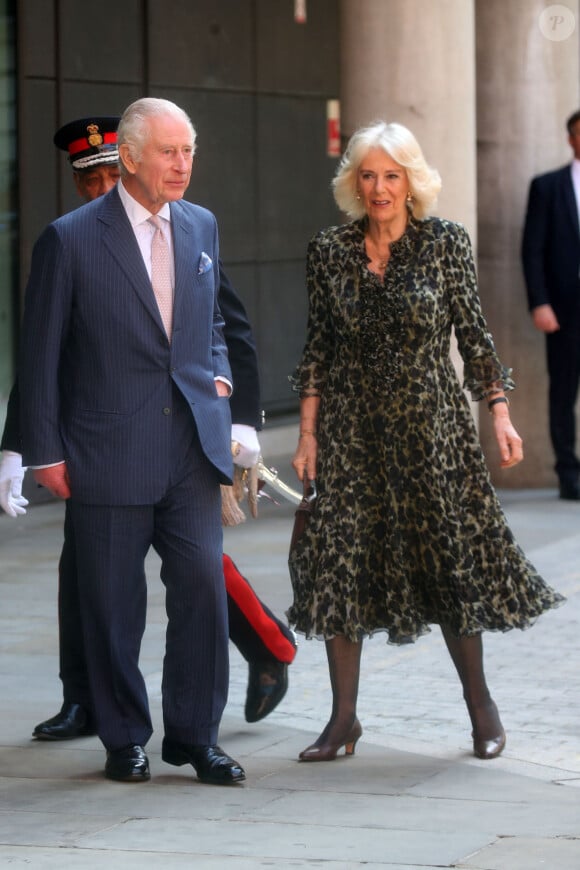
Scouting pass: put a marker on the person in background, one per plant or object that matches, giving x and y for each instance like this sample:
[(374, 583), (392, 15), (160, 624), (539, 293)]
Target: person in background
[(406, 530), (262, 639), (551, 265)]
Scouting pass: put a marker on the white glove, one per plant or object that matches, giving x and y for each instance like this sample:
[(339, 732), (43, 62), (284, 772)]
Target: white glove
[(11, 476), (245, 445)]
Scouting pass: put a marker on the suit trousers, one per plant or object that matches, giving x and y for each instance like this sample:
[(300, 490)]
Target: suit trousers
[(563, 359), (257, 632), (184, 528)]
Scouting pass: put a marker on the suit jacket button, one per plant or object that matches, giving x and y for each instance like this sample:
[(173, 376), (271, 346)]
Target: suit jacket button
[(167, 411)]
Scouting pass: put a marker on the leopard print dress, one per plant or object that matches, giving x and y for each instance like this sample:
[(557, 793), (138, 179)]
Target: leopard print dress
[(407, 530)]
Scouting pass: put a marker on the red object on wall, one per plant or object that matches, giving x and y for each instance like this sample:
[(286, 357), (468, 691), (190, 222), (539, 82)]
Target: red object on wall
[(300, 11), (333, 128)]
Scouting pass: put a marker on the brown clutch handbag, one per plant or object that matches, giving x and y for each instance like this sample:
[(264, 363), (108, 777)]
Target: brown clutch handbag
[(303, 511)]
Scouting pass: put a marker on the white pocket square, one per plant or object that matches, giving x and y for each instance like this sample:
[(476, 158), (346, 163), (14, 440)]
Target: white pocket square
[(205, 263)]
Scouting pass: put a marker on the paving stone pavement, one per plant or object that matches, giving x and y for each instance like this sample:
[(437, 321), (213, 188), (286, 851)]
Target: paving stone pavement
[(412, 797)]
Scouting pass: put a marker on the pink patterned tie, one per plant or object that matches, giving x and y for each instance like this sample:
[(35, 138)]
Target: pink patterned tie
[(161, 274)]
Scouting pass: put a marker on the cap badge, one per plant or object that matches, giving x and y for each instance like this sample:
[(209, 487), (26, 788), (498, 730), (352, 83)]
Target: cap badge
[(94, 138)]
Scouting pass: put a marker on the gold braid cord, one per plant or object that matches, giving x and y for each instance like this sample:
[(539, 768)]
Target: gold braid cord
[(247, 485)]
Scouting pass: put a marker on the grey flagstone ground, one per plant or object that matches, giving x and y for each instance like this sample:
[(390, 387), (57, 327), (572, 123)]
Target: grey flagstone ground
[(412, 797)]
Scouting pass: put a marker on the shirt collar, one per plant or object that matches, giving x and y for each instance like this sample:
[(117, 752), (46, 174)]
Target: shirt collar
[(136, 212)]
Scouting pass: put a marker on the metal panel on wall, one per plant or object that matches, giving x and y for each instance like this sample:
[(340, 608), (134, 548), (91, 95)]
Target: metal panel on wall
[(255, 84), (223, 177), (101, 43), (210, 44), (36, 31), (38, 164), (282, 330), (294, 174), (297, 58)]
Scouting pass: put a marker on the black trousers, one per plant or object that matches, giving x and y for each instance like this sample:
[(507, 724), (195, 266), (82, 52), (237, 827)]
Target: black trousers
[(563, 359)]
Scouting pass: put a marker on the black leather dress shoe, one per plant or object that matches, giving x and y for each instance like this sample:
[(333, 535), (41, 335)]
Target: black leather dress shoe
[(211, 763), (267, 685), (129, 764), (72, 721), (570, 491)]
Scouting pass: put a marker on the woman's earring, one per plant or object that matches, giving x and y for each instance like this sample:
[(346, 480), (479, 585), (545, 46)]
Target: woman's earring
[(358, 195), (409, 197)]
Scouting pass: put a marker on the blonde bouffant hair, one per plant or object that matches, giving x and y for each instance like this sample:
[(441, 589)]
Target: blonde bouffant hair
[(400, 144)]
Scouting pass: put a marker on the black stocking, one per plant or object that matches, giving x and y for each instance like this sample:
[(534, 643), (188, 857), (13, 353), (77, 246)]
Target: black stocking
[(467, 655), (344, 669)]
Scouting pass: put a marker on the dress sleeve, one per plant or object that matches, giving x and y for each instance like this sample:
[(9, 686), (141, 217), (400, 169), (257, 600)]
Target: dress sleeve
[(483, 372), (310, 376)]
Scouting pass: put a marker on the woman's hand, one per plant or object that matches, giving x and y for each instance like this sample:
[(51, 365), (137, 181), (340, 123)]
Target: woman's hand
[(510, 444), (304, 462)]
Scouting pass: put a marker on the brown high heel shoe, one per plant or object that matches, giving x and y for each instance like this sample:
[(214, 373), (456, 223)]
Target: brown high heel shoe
[(489, 721), (328, 751), (488, 749)]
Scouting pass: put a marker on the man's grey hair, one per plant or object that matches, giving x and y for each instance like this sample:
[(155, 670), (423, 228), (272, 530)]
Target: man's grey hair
[(134, 128)]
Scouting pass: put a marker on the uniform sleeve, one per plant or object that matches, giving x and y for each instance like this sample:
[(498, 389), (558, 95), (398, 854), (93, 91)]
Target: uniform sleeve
[(44, 330), (245, 399)]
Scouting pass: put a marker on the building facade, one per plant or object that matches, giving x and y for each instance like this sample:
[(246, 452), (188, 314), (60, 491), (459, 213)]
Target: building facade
[(485, 85)]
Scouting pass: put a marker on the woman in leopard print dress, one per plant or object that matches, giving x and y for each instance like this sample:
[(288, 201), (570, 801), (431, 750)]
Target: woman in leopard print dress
[(407, 529)]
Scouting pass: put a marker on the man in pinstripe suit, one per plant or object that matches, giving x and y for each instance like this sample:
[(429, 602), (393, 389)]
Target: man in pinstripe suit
[(126, 417), (264, 640)]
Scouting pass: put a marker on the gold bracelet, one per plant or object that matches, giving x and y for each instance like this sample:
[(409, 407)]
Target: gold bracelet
[(306, 432)]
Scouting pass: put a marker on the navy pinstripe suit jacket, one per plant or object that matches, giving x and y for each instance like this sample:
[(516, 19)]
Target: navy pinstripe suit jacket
[(97, 372)]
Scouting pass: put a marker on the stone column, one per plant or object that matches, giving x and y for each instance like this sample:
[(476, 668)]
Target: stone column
[(414, 62), (527, 85)]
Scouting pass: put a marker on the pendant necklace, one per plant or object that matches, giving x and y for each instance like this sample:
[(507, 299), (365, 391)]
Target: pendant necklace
[(380, 261)]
